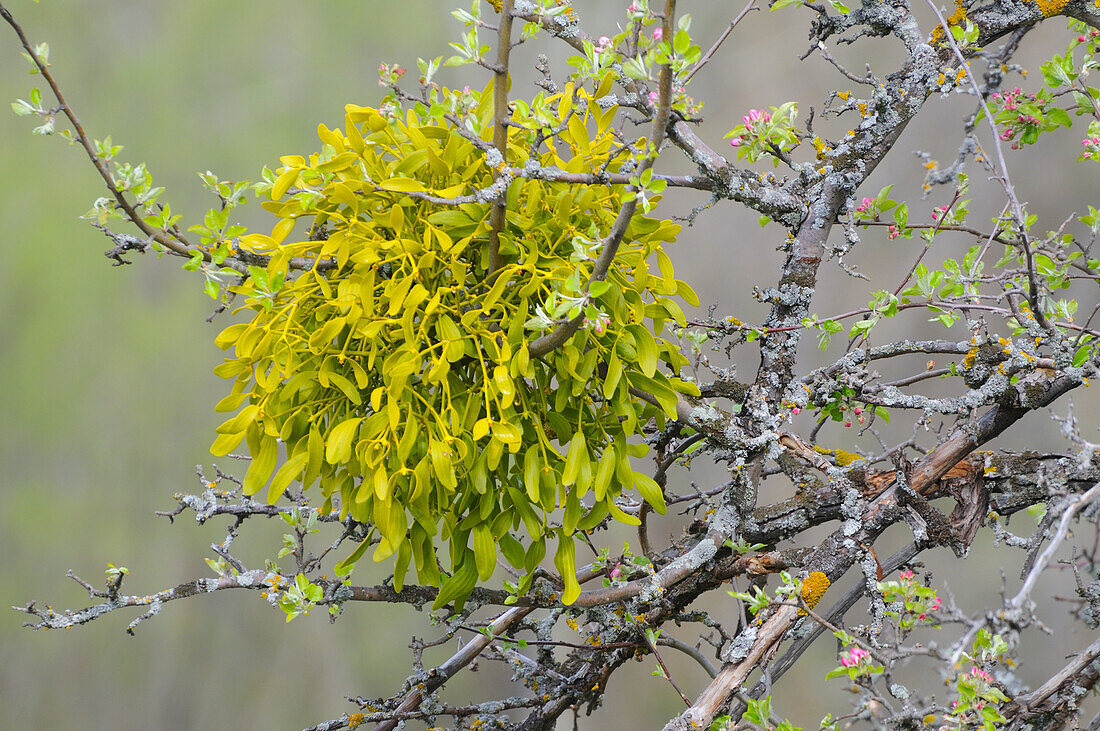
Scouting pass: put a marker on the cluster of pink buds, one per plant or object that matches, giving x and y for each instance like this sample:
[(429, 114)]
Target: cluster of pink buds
[(853, 657), (1092, 34), (858, 413), (658, 33), (388, 75), (597, 325), (937, 212), (906, 575), (751, 120), (933, 607), (892, 231), (602, 44), (1093, 147), (864, 205), (634, 9), (979, 675), (1008, 98)]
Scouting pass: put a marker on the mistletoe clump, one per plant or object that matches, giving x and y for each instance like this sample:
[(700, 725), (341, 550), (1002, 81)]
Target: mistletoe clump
[(396, 368)]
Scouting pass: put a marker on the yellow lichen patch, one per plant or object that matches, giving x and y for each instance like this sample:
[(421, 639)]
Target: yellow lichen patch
[(957, 17), (845, 94), (970, 358), (845, 458), (814, 587), (355, 720), (820, 148), (1051, 7)]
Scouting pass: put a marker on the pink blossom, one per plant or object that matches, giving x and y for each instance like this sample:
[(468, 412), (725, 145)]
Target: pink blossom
[(658, 33), (905, 575), (847, 423), (853, 657), (736, 142), (652, 97), (603, 44), (1080, 39), (796, 411), (754, 116)]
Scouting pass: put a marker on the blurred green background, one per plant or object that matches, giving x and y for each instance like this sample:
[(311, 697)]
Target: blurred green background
[(108, 390)]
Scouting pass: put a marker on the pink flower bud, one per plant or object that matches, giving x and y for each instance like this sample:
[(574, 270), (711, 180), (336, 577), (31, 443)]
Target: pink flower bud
[(658, 33)]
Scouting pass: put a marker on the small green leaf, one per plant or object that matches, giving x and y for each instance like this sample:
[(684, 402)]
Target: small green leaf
[(650, 491), (565, 561), (339, 442), (485, 551), (261, 466)]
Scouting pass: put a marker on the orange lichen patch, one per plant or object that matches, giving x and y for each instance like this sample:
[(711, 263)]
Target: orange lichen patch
[(814, 587), (568, 10), (1051, 7), (957, 17), (845, 94), (355, 720)]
